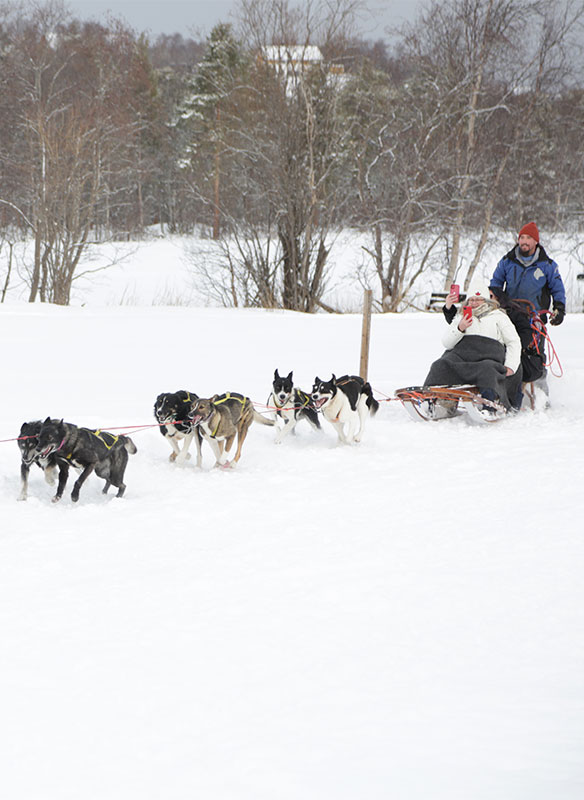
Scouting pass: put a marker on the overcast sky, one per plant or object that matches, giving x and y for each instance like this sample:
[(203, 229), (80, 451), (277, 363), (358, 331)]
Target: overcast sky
[(199, 16)]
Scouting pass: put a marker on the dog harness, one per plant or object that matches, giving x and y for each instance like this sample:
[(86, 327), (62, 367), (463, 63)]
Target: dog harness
[(100, 434), (303, 397), (227, 396)]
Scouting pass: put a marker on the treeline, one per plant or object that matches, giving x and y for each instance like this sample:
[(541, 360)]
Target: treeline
[(284, 128)]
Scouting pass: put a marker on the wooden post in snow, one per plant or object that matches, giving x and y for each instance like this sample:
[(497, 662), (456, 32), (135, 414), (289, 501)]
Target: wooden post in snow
[(365, 333)]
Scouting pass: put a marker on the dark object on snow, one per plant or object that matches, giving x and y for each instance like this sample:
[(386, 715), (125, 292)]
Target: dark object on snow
[(88, 450), (27, 444), (172, 410)]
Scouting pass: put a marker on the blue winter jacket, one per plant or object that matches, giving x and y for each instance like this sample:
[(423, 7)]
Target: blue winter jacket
[(537, 283)]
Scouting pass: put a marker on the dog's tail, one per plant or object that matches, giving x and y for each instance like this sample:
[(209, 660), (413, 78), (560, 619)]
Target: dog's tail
[(371, 402), (129, 445), (261, 419)]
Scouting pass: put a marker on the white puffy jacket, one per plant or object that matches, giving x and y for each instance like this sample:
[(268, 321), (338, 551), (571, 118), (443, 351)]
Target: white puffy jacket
[(495, 325)]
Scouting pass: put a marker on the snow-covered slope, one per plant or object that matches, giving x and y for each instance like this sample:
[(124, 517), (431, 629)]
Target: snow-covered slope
[(398, 619)]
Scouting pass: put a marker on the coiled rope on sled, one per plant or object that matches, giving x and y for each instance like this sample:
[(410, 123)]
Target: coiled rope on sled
[(552, 354)]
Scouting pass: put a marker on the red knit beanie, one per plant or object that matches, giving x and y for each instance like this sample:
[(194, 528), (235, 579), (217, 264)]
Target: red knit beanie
[(530, 230)]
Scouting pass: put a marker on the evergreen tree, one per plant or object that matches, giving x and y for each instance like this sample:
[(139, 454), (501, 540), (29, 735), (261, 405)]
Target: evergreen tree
[(204, 121)]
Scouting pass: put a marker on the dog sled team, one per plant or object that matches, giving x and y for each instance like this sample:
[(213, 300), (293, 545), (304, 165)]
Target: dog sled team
[(221, 420), (493, 350)]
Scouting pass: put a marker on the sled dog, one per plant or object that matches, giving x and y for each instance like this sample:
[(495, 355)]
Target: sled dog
[(27, 443), (345, 402), (87, 450), (223, 417), (291, 405), (172, 410)]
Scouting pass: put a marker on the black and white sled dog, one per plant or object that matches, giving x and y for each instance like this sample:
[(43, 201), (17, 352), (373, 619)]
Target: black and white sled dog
[(88, 451), (291, 405), (345, 403), (28, 439), (172, 410)]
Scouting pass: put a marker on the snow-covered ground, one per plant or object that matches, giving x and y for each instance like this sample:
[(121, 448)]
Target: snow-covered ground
[(163, 271), (399, 619)]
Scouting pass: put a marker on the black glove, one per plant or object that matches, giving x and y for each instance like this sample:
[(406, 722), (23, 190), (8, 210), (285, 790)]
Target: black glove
[(449, 313), (559, 314)]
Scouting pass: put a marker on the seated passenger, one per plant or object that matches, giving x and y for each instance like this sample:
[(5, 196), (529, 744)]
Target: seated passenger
[(532, 357), (482, 350)]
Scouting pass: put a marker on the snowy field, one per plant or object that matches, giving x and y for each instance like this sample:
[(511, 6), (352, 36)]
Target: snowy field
[(399, 619), (163, 271)]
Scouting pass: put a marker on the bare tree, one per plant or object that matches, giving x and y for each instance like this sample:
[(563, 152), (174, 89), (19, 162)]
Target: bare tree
[(277, 151), (398, 143), (77, 115), (494, 60)]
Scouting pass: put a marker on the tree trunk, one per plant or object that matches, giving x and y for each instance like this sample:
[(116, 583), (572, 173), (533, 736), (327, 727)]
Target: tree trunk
[(36, 273), (216, 179)]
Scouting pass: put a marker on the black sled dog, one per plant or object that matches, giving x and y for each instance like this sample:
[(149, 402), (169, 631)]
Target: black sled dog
[(87, 450), (345, 403), (291, 405), (27, 444), (172, 410)]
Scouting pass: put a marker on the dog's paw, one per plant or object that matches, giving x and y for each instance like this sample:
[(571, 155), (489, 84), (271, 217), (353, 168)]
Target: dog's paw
[(172, 457), (22, 496), (56, 498)]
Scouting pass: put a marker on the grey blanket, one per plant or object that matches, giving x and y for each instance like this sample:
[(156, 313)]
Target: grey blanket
[(479, 361)]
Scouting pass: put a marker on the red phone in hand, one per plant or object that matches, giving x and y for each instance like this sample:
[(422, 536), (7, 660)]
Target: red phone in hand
[(467, 312), (455, 289)]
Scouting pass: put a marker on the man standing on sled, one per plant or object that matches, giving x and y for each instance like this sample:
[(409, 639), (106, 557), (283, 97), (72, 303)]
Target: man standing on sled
[(527, 273)]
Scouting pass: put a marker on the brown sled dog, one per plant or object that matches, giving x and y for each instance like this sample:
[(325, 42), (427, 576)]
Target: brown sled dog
[(223, 417)]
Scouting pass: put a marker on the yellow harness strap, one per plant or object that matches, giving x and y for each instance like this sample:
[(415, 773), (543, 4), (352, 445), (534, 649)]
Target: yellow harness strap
[(100, 434), (304, 396), (227, 396)]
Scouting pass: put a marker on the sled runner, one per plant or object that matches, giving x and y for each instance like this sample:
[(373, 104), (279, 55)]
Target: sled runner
[(433, 403)]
